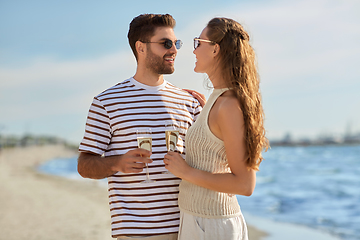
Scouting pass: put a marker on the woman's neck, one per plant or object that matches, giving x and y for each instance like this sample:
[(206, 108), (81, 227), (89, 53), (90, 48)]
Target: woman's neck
[(217, 80)]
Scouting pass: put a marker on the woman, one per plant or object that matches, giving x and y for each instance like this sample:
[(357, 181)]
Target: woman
[(224, 145)]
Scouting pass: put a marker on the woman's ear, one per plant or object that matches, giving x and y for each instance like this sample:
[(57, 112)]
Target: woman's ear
[(216, 50)]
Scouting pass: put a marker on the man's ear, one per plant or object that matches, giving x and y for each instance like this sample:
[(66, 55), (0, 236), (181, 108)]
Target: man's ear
[(140, 47)]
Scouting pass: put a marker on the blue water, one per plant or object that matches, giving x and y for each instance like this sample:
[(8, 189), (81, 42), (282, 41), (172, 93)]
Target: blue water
[(314, 186), (64, 167)]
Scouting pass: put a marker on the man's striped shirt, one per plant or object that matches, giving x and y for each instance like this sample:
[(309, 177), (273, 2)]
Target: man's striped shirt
[(140, 209)]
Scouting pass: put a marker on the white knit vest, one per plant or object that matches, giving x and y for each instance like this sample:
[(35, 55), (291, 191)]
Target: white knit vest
[(206, 152)]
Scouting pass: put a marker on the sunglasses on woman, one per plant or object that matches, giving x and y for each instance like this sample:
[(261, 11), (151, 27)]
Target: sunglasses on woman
[(168, 43), (198, 40)]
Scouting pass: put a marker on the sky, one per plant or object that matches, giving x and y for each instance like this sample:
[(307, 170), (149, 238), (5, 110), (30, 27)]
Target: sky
[(55, 56)]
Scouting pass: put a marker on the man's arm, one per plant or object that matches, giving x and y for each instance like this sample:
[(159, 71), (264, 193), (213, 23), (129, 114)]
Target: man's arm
[(97, 167)]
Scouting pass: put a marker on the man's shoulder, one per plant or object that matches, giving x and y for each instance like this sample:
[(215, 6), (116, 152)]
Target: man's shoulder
[(174, 89), (169, 85), (118, 88)]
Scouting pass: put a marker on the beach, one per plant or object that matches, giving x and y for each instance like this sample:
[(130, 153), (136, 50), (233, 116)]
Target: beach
[(37, 206), (40, 206)]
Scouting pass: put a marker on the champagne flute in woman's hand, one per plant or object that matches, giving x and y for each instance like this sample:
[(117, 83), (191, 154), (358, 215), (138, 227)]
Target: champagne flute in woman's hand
[(171, 136)]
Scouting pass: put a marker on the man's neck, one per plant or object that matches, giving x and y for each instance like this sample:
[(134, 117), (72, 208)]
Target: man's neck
[(149, 79)]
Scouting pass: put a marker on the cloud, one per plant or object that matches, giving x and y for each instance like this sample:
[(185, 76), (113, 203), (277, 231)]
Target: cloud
[(43, 70), (308, 54), (47, 87), (294, 39), (302, 47)]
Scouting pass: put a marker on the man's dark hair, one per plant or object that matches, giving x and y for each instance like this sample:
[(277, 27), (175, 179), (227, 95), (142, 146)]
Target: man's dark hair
[(142, 27)]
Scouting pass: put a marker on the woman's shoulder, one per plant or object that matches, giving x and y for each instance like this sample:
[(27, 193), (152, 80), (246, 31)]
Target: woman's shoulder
[(228, 104), (228, 100)]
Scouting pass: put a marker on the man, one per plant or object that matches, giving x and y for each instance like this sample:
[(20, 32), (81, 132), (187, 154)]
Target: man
[(147, 211)]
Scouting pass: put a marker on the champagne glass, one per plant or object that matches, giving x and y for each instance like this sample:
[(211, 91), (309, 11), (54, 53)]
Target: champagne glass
[(144, 140), (171, 136)]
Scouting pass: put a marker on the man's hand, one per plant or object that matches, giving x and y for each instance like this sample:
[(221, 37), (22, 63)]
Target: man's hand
[(97, 167), (199, 96), (133, 161)]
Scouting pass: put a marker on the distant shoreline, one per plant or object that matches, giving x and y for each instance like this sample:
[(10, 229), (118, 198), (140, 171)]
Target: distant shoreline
[(345, 140), (313, 144)]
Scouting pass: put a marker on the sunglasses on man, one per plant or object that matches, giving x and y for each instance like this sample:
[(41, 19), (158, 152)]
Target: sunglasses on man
[(168, 43)]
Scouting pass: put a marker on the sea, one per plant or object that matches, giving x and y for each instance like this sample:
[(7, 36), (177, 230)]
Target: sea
[(314, 186)]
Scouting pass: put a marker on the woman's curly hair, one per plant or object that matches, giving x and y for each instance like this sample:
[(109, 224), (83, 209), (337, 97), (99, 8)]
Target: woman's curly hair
[(238, 63)]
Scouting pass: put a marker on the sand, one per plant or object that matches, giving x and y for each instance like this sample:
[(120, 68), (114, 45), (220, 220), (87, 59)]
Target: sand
[(39, 206)]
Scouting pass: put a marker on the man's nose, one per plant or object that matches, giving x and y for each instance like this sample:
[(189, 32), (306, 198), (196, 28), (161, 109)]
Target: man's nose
[(173, 48)]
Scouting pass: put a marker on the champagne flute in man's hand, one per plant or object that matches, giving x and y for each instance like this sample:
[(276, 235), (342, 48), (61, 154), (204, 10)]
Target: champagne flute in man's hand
[(144, 140)]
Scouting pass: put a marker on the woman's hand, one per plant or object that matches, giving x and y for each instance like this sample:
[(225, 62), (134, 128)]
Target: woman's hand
[(199, 96), (176, 164)]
